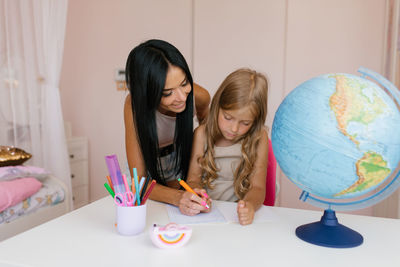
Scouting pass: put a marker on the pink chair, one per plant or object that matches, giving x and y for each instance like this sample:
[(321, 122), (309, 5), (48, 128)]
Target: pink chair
[(271, 177)]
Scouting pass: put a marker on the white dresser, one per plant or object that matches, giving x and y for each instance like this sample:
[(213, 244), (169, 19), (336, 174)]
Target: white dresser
[(78, 158)]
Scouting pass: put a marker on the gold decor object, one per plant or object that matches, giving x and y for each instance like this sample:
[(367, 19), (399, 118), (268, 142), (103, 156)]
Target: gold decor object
[(11, 156)]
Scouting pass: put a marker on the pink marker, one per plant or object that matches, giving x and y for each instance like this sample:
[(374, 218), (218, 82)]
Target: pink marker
[(203, 203), (127, 188)]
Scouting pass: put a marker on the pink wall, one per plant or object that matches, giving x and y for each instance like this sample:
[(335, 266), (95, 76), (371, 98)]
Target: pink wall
[(99, 37), (291, 41), (338, 36)]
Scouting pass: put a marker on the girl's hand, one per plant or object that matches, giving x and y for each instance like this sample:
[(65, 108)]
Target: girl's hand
[(190, 204), (207, 200), (245, 212)]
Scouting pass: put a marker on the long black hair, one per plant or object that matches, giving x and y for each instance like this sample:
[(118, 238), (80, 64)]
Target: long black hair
[(146, 70)]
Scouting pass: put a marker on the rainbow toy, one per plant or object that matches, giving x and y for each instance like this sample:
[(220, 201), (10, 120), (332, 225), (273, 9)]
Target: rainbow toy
[(171, 235)]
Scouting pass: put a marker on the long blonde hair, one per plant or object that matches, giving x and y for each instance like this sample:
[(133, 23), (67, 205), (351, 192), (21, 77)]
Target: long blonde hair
[(242, 88)]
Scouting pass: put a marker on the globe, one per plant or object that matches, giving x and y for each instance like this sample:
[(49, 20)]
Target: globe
[(337, 137)]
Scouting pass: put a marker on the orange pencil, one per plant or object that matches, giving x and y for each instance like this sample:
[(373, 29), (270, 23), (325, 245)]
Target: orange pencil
[(133, 187), (110, 183), (187, 187)]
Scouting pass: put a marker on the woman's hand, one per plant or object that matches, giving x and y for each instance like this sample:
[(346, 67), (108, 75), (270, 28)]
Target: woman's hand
[(245, 212), (190, 204)]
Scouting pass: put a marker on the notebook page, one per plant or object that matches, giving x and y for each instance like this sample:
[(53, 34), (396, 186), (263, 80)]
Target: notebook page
[(214, 216)]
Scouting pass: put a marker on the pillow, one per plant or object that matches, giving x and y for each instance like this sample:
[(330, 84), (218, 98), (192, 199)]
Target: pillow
[(14, 191), (11, 156), (12, 172)]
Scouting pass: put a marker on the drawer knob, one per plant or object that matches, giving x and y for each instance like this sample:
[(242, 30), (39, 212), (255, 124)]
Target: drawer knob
[(71, 156), (72, 176)]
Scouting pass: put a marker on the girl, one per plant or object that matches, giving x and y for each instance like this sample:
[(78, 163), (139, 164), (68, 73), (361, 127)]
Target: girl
[(230, 152), (158, 116)]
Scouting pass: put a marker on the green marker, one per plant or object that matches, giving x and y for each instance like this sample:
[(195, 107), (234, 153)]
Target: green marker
[(109, 190)]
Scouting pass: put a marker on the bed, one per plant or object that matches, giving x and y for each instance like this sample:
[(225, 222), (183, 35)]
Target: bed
[(46, 204)]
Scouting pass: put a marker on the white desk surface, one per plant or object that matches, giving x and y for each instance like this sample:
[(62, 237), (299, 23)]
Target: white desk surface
[(88, 237)]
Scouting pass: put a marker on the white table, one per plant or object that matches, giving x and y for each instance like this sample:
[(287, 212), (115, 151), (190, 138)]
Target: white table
[(88, 237)]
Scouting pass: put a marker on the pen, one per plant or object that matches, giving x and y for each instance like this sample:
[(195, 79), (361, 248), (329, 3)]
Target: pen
[(146, 196), (109, 190), (187, 187)]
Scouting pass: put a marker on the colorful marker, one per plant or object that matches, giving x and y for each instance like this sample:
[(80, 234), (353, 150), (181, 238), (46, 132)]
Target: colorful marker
[(135, 177), (146, 183), (109, 190), (146, 196), (110, 183), (127, 188), (141, 184)]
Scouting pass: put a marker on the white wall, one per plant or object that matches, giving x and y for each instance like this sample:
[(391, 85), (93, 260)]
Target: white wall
[(290, 41)]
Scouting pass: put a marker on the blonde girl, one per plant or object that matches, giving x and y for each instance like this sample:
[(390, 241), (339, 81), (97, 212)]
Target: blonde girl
[(230, 151)]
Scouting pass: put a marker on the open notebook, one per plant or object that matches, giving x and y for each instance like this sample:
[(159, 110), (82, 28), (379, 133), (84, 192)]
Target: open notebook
[(221, 212)]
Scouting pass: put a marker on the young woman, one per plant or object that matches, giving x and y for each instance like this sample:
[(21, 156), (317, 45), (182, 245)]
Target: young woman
[(158, 116)]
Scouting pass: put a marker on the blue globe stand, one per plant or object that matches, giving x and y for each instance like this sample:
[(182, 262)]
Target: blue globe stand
[(328, 232)]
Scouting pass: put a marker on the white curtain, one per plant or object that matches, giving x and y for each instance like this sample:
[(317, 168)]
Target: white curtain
[(31, 48)]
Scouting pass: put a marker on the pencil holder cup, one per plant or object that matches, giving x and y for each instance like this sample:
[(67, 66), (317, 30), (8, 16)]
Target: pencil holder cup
[(171, 235), (131, 220)]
